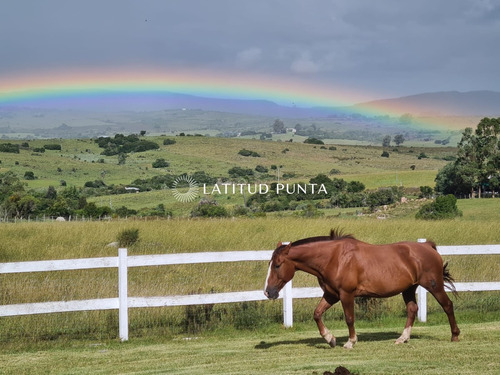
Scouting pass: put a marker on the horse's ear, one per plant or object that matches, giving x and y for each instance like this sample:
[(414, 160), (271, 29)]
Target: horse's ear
[(287, 248), (279, 245)]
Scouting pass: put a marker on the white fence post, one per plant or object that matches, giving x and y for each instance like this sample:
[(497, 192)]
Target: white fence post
[(288, 305), (422, 297), (122, 294), (422, 304)]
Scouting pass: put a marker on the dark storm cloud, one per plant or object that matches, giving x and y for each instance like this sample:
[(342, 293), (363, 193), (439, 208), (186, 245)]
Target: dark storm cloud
[(390, 47)]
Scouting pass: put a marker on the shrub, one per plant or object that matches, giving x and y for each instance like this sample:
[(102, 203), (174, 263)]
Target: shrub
[(383, 196), (355, 187), (385, 154), (314, 141), (95, 184), (125, 144), (124, 211), (52, 146), (240, 172), (261, 169), (425, 192), (245, 152), (169, 141), (444, 207), (160, 163), (29, 175), (209, 208), (128, 237), (9, 147), (335, 171)]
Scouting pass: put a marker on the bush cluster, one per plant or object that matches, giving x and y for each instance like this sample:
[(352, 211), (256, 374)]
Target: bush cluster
[(444, 207), (245, 152), (122, 144), (53, 146), (9, 147)]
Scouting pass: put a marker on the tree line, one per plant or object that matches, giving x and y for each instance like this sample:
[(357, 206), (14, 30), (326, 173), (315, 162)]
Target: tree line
[(477, 167)]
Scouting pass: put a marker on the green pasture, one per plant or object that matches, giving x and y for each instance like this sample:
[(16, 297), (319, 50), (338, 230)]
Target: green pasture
[(273, 352), (56, 240), (242, 338), (80, 161)]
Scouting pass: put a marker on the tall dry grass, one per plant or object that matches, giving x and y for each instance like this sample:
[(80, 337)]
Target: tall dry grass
[(38, 241)]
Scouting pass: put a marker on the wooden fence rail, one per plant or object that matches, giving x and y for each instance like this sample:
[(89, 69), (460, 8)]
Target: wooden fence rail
[(123, 302)]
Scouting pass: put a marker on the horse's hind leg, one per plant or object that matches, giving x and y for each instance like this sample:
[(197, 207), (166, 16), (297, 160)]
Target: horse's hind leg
[(348, 305), (447, 306), (411, 312), (326, 302)]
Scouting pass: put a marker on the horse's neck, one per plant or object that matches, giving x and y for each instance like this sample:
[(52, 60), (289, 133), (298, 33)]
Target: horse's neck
[(310, 259)]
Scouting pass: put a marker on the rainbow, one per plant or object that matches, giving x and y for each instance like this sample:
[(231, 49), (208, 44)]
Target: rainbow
[(30, 90)]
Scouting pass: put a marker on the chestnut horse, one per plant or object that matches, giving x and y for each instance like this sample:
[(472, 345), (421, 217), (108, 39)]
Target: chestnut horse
[(348, 268)]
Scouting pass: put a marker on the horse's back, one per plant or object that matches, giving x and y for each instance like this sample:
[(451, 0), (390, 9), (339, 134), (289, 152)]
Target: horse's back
[(384, 270)]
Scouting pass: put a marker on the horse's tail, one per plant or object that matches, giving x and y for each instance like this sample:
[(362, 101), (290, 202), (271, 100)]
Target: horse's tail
[(449, 280)]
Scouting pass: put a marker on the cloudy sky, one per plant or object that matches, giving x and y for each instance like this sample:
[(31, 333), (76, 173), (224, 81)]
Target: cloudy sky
[(383, 48)]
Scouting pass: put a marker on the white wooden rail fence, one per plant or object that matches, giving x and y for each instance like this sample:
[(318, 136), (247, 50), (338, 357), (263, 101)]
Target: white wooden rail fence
[(123, 302)]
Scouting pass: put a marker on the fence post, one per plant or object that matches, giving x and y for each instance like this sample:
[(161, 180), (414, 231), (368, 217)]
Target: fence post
[(288, 305), (422, 297), (122, 294), (422, 304)]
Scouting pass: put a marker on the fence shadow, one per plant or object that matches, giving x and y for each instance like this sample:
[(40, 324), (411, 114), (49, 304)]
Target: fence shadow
[(320, 343)]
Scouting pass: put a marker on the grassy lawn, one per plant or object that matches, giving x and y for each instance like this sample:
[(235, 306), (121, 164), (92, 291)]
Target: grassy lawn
[(298, 350)]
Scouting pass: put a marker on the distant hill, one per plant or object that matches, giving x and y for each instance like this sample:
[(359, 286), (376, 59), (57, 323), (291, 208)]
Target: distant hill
[(449, 103), (452, 103)]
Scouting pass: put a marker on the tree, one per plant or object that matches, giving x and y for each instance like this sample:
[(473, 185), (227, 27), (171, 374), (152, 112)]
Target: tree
[(279, 126), (425, 192), (386, 141), (478, 157), (451, 180), (51, 193), (122, 158), (399, 139)]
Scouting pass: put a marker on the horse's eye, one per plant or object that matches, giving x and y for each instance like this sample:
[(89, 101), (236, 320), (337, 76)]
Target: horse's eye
[(276, 266)]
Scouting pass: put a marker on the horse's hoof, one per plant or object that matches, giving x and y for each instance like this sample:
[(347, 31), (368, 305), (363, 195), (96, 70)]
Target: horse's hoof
[(332, 342), (350, 343)]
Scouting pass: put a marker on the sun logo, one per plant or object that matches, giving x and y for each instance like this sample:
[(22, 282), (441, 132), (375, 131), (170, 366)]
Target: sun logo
[(185, 189)]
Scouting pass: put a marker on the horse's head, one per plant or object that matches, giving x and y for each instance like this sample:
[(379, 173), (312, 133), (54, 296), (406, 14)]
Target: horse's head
[(281, 271)]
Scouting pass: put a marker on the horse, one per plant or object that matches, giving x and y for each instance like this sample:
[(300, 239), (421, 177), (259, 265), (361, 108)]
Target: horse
[(347, 268)]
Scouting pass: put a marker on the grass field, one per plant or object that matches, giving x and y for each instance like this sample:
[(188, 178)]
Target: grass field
[(276, 351), (39, 241), (78, 161), (237, 338)]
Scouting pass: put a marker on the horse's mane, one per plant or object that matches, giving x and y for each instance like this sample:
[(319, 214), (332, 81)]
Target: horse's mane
[(335, 234)]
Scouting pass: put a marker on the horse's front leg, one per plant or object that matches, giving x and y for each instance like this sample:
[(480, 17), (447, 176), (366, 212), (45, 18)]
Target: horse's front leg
[(326, 302), (348, 305)]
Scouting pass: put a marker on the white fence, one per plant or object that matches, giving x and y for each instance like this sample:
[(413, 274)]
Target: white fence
[(123, 302)]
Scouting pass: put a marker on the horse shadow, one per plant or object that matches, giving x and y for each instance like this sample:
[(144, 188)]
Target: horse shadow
[(320, 343)]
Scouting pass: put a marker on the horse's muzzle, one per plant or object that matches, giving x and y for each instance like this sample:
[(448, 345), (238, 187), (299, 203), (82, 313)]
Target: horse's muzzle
[(271, 293)]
